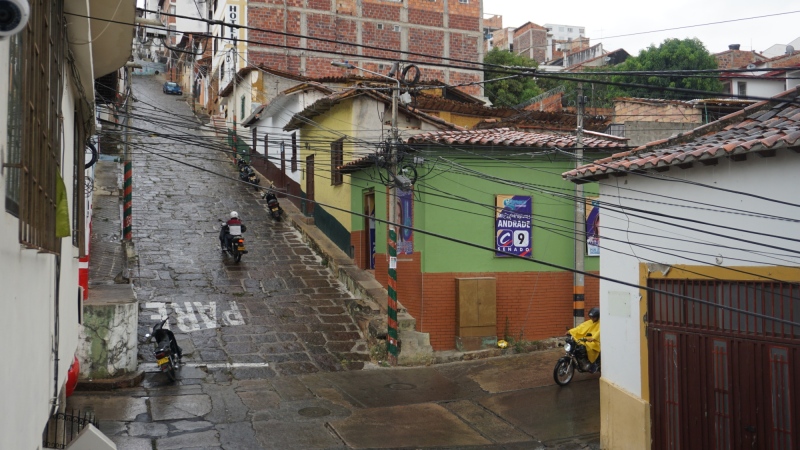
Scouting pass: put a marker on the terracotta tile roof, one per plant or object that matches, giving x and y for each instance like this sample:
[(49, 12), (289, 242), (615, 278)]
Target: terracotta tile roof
[(426, 102), (760, 128), (507, 137), (547, 120)]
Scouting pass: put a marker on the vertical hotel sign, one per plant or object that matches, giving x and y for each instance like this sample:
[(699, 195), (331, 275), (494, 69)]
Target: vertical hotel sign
[(513, 225)]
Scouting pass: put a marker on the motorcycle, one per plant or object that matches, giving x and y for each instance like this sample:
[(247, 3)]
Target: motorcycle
[(165, 348), (235, 246), (275, 210), (574, 359), (248, 175)]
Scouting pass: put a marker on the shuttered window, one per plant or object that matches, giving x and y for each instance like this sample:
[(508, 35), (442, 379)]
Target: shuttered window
[(34, 158)]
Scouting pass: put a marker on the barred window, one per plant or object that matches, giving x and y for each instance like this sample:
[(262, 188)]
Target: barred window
[(337, 160), (34, 152)]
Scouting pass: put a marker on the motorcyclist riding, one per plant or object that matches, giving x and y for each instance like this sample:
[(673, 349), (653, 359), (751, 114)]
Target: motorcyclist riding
[(590, 331), (233, 227)]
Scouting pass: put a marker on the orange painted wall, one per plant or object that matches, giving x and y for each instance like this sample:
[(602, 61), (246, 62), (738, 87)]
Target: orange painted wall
[(538, 305)]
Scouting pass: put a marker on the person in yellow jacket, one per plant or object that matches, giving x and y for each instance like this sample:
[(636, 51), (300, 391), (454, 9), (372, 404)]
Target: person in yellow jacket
[(592, 343)]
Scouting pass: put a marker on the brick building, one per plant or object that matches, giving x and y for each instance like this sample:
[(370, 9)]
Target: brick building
[(369, 33), (734, 58), (530, 40)]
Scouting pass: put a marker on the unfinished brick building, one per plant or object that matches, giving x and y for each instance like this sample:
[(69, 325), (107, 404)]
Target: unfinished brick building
[(439, 28)]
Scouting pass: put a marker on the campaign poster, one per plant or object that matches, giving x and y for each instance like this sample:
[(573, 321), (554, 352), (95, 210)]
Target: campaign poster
[(592, 226), (513, 225), (405, 217)]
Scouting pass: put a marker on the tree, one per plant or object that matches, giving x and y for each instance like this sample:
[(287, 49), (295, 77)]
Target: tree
[(508, 91), (671, 55)]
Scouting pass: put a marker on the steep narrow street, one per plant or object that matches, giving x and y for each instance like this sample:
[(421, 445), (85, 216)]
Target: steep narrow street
[(272, 358)]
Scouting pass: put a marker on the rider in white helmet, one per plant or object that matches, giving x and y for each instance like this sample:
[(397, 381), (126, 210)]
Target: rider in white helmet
[(233, 227)]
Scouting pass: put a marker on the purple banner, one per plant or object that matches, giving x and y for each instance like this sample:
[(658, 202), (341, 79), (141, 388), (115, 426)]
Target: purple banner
[(513, 225)]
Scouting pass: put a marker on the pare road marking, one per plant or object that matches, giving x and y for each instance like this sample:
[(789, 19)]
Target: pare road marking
[(196, 316)]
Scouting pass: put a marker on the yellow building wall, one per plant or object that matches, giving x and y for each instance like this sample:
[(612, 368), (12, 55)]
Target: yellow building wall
[(316, 140), (624, 419)]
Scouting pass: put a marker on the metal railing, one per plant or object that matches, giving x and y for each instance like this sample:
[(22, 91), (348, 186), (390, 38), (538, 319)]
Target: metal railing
[(62, 428)]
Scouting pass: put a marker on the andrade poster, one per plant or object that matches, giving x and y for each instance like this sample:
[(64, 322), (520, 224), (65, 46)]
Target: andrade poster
[(592, 226), (513, 225)]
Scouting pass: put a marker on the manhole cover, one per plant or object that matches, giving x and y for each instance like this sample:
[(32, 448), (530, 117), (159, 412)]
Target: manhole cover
[(401, 386), (314, 412)]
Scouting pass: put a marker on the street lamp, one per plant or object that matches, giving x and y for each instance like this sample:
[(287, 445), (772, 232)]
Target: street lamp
[(391, 338)]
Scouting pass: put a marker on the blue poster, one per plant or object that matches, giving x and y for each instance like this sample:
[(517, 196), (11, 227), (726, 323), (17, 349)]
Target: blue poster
[(513, 225), (405, 217)]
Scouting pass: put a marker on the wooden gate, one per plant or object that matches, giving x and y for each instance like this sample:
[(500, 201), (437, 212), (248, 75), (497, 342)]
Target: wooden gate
[(723, 379)]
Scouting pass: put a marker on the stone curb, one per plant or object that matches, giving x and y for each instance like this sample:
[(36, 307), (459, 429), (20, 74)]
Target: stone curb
[(110, 384)]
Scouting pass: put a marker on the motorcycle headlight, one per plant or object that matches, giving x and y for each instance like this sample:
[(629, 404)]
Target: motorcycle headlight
[(568, 347)]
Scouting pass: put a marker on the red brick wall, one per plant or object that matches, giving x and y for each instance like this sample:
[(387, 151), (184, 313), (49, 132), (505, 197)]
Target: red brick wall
[(425, 28), (538, 305), (428, 18)]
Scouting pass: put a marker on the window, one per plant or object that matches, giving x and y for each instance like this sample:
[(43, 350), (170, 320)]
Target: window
[(78, 187), (33, 162), (241, 108), (741, 86), (294, 152), (337, 160), (380, 26), (463, 1), (172, 9), (569, 30), (582, 31), (397, 28), (12, 156)]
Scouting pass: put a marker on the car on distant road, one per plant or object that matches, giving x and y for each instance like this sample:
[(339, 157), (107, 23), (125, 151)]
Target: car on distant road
[(170, 87)]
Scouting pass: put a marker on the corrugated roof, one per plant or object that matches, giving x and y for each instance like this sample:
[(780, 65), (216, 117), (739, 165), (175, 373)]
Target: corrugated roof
[(761, 128)]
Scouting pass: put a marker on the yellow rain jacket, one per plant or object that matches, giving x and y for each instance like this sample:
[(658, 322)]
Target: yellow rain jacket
[(580, 332)]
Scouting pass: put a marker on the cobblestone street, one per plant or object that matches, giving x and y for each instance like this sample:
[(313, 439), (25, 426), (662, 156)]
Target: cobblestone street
[(272, 357), (279, 305)]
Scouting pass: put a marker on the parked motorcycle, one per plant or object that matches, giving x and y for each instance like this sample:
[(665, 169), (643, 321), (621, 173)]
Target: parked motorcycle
[(574, 359), (247, 174), (235, 246), (165, 348), (274, 207)]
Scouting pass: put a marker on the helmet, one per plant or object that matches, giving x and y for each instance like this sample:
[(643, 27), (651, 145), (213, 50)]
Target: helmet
[(594, 313), (234, 215)]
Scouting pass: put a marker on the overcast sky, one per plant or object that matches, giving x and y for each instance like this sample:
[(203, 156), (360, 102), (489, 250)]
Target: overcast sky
[(605, 19)]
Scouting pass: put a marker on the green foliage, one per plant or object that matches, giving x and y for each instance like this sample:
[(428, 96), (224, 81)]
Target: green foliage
[(672, 54), (599, 95), (508, 91)]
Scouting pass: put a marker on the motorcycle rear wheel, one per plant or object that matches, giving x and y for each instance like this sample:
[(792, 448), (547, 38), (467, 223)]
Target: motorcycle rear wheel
[(171, 369), (237, 256), (563, 372)]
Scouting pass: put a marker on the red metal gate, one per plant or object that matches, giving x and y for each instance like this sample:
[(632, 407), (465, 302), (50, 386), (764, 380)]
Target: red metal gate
[(722, 379)]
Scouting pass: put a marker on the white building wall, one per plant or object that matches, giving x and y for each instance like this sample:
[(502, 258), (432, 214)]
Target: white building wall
[(763, 88), (27, 283), (274, 118), (767, 177)]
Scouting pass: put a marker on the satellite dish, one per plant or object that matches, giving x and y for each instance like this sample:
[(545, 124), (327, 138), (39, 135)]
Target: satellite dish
[(789, 50), (751, 66)]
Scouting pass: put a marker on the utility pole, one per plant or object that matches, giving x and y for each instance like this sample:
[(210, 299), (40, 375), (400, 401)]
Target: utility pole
[(580, 220), (127, 200), (391, 307), (392, 334)]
